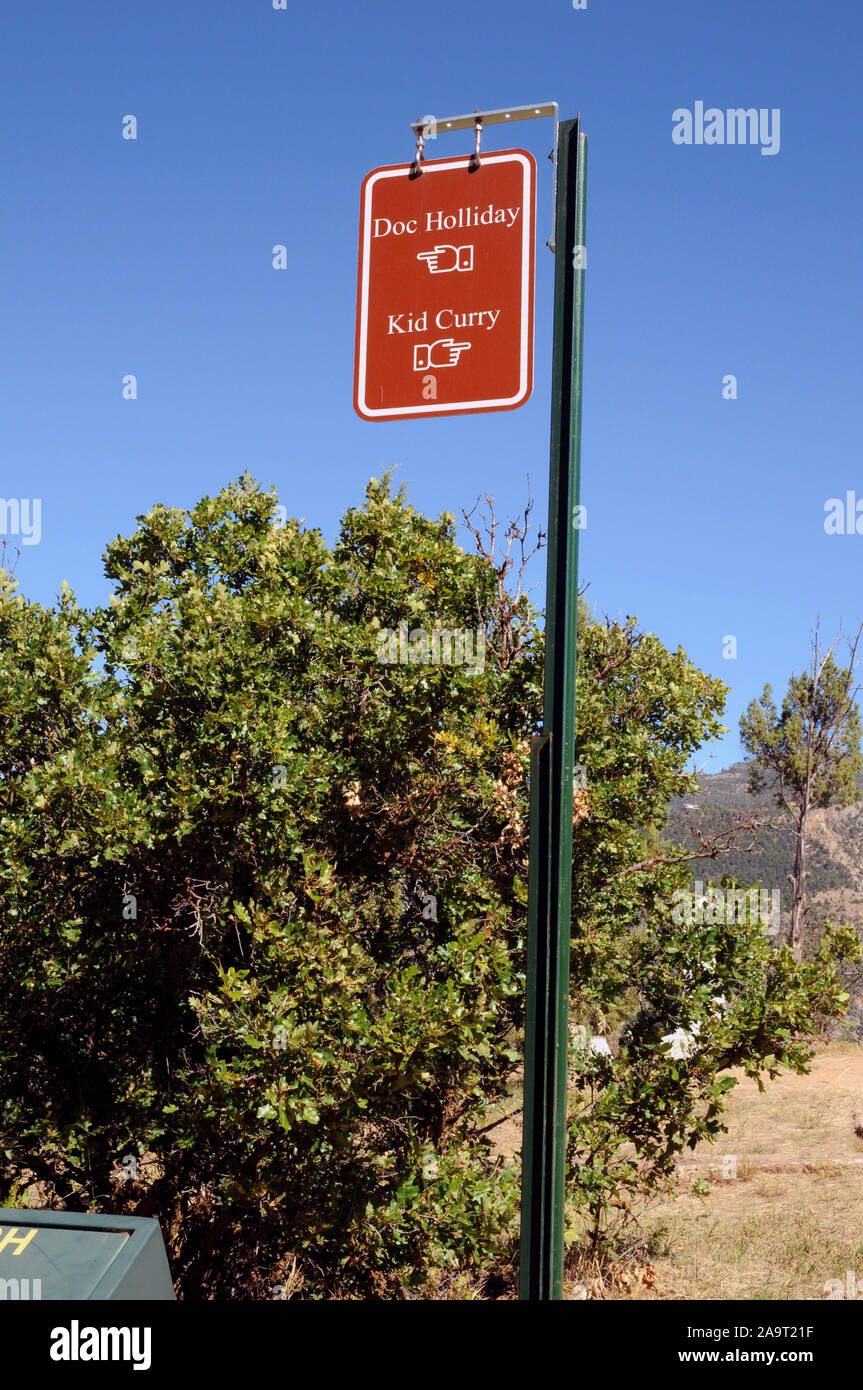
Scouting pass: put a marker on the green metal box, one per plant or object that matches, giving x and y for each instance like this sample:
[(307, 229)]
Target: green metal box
[(60, 1254)]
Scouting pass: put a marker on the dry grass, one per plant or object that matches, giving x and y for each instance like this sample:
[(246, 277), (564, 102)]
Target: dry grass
[(781, 1214), (787, 1218)]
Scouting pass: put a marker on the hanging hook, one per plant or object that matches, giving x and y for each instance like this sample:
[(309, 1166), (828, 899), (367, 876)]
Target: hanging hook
[(477, 140), (416, 167)]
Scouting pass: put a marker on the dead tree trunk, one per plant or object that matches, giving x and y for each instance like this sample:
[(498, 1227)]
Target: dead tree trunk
[(798, 883)]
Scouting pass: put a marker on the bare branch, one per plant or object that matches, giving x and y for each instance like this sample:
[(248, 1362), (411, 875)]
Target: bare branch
[(513, 636), (724, 843)]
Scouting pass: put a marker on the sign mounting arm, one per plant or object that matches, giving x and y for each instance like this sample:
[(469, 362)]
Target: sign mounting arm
[(428, 127)]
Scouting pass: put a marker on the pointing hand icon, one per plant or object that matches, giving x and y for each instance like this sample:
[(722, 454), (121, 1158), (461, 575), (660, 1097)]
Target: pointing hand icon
[(444, 258), (444, 353)]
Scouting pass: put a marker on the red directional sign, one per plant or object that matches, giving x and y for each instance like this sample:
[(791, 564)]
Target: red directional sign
[(445, 287)]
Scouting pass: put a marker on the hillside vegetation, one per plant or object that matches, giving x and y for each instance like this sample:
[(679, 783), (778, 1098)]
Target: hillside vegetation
[(836, 856)]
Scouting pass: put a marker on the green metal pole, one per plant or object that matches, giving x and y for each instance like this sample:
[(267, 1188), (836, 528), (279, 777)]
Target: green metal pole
[(552, 764)]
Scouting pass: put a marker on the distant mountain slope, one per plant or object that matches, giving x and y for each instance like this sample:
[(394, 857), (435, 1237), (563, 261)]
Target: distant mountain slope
[(835, 854)]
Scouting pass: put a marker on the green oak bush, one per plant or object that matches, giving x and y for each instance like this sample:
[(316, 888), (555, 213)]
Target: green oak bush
[(257, 926)]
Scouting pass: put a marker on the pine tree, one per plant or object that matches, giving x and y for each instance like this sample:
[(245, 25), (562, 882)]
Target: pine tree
[(809, 754)]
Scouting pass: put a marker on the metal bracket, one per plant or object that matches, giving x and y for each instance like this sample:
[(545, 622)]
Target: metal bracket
[(427, 126)]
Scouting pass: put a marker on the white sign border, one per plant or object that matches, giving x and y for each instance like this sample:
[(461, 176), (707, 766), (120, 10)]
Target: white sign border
[(368, 412)]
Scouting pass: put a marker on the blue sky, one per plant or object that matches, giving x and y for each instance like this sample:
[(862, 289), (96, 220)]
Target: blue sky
[(256, 127)]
